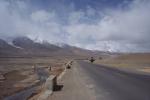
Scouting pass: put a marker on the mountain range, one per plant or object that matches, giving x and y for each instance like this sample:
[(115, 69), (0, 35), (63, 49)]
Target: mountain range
[(26, 47)]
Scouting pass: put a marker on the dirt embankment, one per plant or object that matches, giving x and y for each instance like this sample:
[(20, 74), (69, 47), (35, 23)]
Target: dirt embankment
[(18, 73)]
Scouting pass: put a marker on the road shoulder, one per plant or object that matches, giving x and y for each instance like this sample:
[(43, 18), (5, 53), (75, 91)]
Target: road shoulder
[(74, 86)]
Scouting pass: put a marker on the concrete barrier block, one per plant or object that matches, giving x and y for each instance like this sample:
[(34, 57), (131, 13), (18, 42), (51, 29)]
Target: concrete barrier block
[(49, 85), (62, 74), (45, 95)]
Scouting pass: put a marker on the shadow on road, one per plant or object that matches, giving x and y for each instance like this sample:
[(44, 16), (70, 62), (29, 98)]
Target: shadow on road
[(58, 87)]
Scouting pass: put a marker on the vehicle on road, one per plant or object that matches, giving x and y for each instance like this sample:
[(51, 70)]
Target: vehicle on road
[(92, 59)]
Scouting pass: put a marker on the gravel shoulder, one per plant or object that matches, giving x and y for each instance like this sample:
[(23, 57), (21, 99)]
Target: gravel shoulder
[(75, 86)]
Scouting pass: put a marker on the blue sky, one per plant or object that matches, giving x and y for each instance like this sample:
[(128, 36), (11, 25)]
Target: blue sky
[(62, 7), (79, 4), (109, 25)]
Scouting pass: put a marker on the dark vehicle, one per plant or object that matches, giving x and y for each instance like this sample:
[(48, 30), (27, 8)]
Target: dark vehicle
[(92, 60)]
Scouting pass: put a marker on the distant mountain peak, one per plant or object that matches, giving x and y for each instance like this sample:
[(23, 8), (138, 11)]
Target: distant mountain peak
[(62, 45), (24, 46)]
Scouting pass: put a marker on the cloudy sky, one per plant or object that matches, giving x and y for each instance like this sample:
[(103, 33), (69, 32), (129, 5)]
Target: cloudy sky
[(110, 25)]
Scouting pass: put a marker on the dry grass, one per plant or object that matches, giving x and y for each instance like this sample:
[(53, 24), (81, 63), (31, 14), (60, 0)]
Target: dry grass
[(135, 61), (145, 70)]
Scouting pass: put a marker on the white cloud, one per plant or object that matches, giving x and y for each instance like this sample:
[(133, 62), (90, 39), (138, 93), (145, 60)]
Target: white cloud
[(75, 17), (114, 30), (42, 16), (38, 23), (119, 27)]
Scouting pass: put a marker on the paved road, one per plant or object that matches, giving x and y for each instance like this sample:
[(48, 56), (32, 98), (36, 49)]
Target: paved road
[(114, 84)]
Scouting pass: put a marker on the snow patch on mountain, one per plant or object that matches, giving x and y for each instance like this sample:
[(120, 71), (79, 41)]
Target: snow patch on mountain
[(13, 45)]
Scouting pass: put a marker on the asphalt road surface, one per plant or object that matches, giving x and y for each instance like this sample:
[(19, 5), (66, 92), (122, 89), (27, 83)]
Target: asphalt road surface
[(114, 84)]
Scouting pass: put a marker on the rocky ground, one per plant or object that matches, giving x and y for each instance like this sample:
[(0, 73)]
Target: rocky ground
[(17, 74)]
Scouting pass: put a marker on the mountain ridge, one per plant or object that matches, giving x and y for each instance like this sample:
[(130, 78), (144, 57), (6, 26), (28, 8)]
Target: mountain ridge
[(26, 47)]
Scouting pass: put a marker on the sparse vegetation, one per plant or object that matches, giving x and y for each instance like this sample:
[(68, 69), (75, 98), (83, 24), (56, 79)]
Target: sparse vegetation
[(137, 61)]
